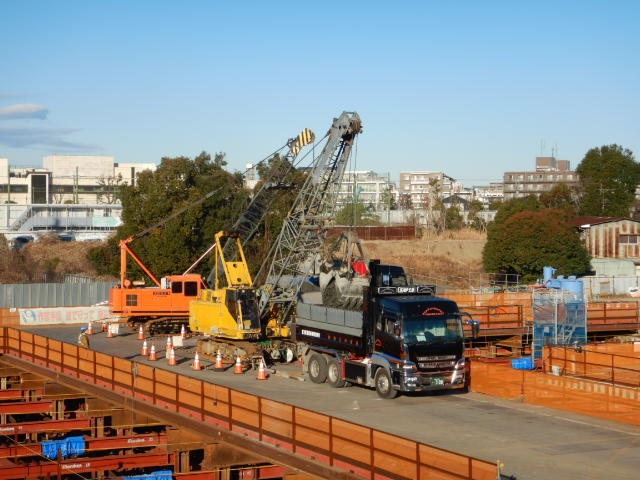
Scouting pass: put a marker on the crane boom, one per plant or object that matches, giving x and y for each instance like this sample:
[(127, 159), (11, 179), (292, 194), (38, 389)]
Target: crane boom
[(300, 240)]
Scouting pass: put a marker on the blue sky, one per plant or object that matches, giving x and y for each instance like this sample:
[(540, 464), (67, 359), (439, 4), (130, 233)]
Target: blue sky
[(470, 88)]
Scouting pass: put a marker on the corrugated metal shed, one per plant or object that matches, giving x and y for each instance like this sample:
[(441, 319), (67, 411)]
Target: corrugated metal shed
[(32, 295), (610, 237)]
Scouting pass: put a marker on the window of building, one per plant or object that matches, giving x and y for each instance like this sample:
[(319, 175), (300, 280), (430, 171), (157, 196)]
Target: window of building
[(132, 300), (628, 239)]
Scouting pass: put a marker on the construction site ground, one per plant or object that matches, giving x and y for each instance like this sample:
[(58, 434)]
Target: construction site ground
[(533, 442)]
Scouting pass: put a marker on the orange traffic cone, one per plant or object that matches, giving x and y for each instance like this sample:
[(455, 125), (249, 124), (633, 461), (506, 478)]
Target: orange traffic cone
[(262, 372), (145, 350), (196, 362), (183, 332), (141, 333), (219, 367), (172, 357), (109, 332), (89, 329), (104, 326), (169, 347), (152, 354), (238, 365)]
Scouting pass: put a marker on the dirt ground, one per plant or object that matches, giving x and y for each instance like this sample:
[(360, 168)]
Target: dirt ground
[(449, 257)]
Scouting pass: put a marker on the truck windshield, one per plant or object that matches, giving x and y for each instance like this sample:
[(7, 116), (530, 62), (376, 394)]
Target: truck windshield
[(445, 329)]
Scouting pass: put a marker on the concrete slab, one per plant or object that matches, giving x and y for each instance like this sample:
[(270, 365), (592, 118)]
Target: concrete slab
[(533, 442)]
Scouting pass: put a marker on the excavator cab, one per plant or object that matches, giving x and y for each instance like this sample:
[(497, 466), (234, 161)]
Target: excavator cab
[(229, 309)]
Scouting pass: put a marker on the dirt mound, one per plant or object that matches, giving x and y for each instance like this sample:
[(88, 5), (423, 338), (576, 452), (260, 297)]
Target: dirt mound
[(447, 259), (47, 259)]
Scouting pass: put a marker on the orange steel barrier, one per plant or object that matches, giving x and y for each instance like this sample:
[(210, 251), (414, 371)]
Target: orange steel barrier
[(582, 396), (9, 318), (496, 317), (616, 369), (367, 452), (601, 313)]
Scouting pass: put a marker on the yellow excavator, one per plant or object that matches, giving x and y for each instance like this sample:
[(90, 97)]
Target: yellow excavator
[(229, 310)]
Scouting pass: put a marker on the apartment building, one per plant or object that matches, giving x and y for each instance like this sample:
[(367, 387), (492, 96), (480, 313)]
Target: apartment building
[(370, 188), (486, 195), (420, 186), (548, 173)]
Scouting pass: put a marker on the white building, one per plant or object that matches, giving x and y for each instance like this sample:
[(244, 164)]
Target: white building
[(69, 193), (65, 179), (370, 188), (489, 194), (421, 186)]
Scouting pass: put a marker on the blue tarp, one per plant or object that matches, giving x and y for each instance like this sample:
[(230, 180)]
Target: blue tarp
[(159, 475), (67, 446)]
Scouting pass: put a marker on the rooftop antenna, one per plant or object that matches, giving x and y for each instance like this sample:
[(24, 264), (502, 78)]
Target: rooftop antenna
[(554, 150)]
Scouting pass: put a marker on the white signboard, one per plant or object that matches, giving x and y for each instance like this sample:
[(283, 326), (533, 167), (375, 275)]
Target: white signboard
[(62, 315)]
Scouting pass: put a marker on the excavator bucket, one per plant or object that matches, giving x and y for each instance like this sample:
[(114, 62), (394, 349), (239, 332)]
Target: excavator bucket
[(344, 272)]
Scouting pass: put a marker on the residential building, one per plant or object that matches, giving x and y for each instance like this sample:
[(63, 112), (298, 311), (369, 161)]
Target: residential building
[(420, 186), (370, 188), (548, 173), (489, 194)]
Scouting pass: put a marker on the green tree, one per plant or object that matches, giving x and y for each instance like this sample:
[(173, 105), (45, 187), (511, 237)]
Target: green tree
[(560, 196), (608, 178), (358, 212), (453, 218), (176, 183), (528, 241), (473, 216)]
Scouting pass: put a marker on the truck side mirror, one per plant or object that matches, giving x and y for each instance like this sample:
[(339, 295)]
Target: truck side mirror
[(475, 325)]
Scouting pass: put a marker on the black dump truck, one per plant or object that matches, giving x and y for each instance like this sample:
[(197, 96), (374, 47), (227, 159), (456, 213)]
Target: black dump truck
[(406, 339)]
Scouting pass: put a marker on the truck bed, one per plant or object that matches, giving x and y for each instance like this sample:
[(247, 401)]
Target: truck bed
[(345, 322)]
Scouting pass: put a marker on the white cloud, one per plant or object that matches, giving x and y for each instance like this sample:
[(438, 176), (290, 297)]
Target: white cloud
[(18, 137), (24, 110)]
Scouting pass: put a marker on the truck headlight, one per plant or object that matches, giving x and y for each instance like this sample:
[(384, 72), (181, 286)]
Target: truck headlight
[(460, 364)]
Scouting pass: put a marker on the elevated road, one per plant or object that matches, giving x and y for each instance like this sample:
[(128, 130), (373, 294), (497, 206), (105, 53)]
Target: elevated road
[(533, 442)]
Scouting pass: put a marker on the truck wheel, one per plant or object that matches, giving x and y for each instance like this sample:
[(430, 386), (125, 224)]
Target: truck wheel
[(384, 388), (334, 374), (317, 368)]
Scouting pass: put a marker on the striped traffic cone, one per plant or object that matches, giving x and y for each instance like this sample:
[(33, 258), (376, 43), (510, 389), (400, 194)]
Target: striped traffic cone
[(140, 333), (219, 367), (89, 329), (183, 332), (238, 365), (152, 353), (262, 372), (169, 347), (145, 350), (109, 331), (104, 326), (172, 357), (196, 362)]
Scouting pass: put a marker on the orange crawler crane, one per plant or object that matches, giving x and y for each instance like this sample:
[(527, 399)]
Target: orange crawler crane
[(161, 309)]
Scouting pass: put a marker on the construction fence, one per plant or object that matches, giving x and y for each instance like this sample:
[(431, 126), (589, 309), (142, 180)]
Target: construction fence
[(400, 232), (617, 364), (583, 396), (33, 295), (367, 452)]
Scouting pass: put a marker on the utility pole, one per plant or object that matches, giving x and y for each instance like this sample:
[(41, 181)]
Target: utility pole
[(602, 192), (75, 187), (389, 194), (8, 184)]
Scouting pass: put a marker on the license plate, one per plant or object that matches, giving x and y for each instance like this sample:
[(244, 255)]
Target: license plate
[(437, 381)]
